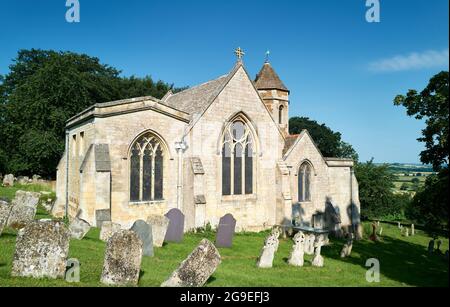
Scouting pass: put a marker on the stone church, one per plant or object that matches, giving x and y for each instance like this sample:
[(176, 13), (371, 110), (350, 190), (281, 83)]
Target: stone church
[(216, 148)]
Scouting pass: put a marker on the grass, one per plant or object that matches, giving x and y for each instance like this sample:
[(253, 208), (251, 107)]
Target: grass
[(403, 261)]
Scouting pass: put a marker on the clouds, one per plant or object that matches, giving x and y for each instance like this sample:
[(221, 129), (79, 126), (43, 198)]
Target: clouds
[(412, 61)]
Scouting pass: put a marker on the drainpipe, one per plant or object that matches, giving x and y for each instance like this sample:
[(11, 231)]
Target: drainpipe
[(66, 213), (351, 198), (180, 148)]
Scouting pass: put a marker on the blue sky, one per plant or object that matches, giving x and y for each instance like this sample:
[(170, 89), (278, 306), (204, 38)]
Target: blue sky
[(341, 70)]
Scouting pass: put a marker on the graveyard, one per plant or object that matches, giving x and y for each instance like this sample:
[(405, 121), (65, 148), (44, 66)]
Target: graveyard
[(404, 260)]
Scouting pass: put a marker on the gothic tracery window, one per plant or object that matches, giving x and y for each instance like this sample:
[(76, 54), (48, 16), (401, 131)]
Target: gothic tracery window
[(304, 183), (237, 160), (146, 169)]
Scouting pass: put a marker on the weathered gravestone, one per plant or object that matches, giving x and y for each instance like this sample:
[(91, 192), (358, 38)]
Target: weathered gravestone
[(159, 224), (271, 243), (108, 230), (225, 232), (197, 268), (348, 246), (79, 228), (24, 206), (175, 229), (101, 216), (123, 256), (431, 247), (318, 259), (413, 230), (8, 180), (23, 180), (296, 257), (41, 250), (144, 232), (309, 244), (5, 209)]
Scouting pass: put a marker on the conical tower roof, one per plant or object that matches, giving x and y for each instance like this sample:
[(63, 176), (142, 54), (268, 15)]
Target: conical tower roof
[(268, 79)]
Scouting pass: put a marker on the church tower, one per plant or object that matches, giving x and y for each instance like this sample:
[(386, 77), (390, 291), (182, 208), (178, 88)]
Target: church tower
[(275, 95)]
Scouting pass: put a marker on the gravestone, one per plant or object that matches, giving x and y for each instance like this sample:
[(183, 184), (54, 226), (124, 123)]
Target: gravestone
[(413, 230), (175, 229), (309, 244), (318, 260), (431, 247), (123, 256), (406, 232), (359, 232), (197, 268), (373, 236), (24, 206), (319, 220), (8, 180), (159, 224), (108, 230), (348, 246), (269, 249), (79, 228), (225, 233), (101, 216), (438, 246), (5, 209), (144, 232), (381, 231), (41, 250), (399, 225), (23, 180), (296, 257)]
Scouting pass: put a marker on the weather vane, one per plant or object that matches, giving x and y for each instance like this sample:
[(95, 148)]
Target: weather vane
[(267, 56), (239, 53)]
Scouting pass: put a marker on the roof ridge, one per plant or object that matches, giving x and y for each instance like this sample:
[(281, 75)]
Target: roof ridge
[(198, 85)]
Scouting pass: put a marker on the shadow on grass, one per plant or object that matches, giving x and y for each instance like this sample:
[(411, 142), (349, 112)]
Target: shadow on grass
[(397, 260)]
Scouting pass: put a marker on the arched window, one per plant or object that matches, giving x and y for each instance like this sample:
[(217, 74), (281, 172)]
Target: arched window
[(280, 115), (237, 160), (146, 169), (304, 183)]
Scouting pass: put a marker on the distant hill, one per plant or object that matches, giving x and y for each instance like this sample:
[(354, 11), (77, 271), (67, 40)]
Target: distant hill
[(409, 167)]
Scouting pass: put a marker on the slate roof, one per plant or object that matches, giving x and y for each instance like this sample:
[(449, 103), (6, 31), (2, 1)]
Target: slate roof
[(268, 79), (196, 99), (289, 142)]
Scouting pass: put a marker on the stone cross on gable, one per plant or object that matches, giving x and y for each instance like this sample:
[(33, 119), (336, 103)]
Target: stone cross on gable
[(239, 53)]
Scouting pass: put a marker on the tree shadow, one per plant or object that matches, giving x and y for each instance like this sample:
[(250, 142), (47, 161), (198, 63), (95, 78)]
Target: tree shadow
[(210, 280), (397, 259)]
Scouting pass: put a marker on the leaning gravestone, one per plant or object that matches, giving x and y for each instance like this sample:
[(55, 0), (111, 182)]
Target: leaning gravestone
[(79, 228), (41, 250), (197, 268), (225, 233), (24, 206), (175, 230), (159, 224), (265, 260), (5, 209), (123, 257), (108, 230), (8, 180), (296, 257), (348, 246), (144, 232)]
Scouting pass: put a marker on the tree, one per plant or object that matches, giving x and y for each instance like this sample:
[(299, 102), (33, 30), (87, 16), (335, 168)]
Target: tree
[(430, 204), (328, 141), (432, 105), (43, 89), (376, 184)]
